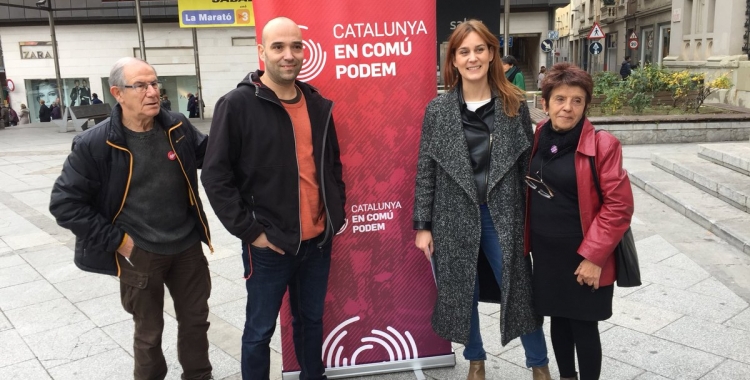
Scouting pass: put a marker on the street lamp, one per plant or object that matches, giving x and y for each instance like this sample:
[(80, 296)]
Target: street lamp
[(47, 5)]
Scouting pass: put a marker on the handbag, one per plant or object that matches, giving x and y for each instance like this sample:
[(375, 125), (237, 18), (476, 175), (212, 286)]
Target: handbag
[(627, 270)]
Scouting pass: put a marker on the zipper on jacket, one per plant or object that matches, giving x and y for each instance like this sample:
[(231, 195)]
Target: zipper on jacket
[(191, 193), (323, 183), (487, 173), (127, 188), (252, 201)]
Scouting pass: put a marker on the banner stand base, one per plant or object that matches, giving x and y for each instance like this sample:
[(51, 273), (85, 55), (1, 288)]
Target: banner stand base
[(383, 367)]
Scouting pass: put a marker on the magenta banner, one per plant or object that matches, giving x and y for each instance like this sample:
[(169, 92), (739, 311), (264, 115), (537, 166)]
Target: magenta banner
[(375, 60)]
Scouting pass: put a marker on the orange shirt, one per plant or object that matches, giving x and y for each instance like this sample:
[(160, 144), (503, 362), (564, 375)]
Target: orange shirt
[(311, 215)]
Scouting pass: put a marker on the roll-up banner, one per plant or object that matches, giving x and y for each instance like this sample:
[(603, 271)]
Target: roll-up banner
[(375, 60)]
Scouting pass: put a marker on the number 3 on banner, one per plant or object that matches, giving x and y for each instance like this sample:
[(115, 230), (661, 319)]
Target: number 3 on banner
[(243, 16)]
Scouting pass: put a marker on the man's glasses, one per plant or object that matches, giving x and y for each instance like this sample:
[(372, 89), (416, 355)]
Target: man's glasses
[(142, 87), (539, 186)]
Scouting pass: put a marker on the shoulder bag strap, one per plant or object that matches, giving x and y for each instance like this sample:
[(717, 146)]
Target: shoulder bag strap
[(596, 178)]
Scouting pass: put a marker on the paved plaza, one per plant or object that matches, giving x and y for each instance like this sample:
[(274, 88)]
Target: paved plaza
[(689, 320)]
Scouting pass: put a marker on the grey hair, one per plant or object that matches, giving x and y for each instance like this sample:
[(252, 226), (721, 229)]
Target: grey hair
[(116, 75)]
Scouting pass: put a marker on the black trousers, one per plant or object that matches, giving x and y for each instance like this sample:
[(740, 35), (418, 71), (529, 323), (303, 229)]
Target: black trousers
[(571, 337), (187, 277)]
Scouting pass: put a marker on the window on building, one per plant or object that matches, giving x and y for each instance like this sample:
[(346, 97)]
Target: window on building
[(665, 32), (647, 47)]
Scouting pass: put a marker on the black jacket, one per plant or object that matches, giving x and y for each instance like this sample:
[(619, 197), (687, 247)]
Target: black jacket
[(250, 173), (45, 113), (90, 192)]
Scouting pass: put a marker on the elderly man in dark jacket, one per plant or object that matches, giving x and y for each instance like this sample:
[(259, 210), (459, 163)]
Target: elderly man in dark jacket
[(129, 192)]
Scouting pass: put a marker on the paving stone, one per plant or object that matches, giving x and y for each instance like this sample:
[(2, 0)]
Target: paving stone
[(13, 349), (45, 316), (659, 356), (224, 291), (640, 317), (93, 287), (709, 337), (714, 288), (4, 323), (104, 311), (18, 274), (654, 249), (730, 369), (28, 240), (495, 369), (664, 274), (26, 294), (110, 365), (740, 321), (223, 365), (650, 376), (44, 256), (687, 303), (69, 344), (30, 369), (64, 271), (10, 260), (229, 268), (232, 312)]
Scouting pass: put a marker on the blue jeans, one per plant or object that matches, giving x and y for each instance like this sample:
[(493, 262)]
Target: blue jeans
[(533, 342), (270, 274)]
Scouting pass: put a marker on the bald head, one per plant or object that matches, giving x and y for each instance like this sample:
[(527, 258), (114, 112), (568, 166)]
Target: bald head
[(281, 25)]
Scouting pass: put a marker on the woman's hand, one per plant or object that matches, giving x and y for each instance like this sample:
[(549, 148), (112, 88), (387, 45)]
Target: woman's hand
[(588, 273), (424, 242)]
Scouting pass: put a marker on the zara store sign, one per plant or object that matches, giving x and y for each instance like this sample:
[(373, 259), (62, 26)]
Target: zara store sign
[(36, 49)]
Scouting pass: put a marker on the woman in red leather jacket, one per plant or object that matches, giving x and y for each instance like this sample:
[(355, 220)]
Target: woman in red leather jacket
[(569, 233)]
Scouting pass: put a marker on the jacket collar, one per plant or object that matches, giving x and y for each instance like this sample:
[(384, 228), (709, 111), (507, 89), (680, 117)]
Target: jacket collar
[(587, 143), (116, 132), (253, 80)]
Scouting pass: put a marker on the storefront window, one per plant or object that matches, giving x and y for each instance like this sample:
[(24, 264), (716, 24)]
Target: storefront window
[(76, 92)]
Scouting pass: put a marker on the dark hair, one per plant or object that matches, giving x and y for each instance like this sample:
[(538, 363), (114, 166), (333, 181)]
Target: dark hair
[(510, 60), (510, 95), (94, 95), (627, 57), (566, 73)]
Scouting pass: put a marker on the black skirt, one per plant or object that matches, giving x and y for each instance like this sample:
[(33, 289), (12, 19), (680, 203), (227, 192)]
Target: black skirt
[(556, 291)]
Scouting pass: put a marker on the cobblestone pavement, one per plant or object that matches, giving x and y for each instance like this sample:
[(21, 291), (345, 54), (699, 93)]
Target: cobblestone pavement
[(690, 319)]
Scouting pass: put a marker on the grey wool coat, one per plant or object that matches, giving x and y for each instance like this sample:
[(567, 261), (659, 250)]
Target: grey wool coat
[(446, 197)]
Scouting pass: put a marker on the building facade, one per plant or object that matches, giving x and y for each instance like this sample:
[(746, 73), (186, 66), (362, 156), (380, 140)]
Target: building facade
[(87, 50), (711, 36)]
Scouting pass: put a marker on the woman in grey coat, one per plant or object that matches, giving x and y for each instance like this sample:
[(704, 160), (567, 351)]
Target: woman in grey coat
[(469, 201)]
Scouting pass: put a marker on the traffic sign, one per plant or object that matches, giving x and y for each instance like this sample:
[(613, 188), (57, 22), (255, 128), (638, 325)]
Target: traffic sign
[(547, 45), (633, 36), (633, 44), (553, 35), (502, 41), (595, 48), (596, 32)]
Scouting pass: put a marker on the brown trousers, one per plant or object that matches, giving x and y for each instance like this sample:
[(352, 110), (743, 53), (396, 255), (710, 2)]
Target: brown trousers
[(187, 277)]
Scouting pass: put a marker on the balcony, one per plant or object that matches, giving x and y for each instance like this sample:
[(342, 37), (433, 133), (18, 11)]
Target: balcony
[(609, 14)]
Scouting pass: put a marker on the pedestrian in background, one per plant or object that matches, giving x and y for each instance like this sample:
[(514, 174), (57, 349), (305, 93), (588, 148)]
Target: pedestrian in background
[(626, 68), (540, 78), (269, 132), (129, 193), (469, 204), (166, 103), (513, 72), (192, 106), (45, 113), (95, 99), (25, 116), (571, 233)]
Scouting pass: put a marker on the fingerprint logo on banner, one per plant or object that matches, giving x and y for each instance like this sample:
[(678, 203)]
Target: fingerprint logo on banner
[(392, 341), (315, 61)]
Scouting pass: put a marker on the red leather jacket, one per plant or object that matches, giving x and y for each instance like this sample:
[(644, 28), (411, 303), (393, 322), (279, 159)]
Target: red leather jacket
[(603, 225)]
